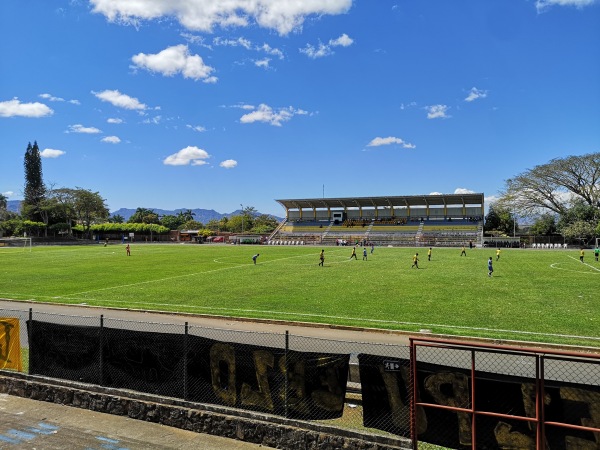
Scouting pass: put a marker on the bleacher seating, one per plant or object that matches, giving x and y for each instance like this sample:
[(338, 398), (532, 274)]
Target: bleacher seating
[(381, 232)]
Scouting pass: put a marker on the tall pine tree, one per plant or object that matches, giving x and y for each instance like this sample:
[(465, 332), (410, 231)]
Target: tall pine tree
[(35, 190)]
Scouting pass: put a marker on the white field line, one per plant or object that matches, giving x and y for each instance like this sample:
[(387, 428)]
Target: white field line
[(158, 280), (585, 264), (298, 314), (358, 319)]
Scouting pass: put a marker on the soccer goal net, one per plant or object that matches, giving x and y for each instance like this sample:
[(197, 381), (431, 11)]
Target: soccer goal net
[(16, 242)]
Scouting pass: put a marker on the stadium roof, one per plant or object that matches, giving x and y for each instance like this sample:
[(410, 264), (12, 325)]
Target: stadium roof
[(391, 201)]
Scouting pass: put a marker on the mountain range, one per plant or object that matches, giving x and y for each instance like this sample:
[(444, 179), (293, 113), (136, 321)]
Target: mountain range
[(200, 215)]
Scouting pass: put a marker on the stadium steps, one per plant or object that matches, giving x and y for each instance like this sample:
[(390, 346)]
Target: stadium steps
[(279, 227), (326, 231)]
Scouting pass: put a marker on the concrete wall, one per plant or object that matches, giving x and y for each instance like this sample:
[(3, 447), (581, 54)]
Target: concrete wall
[(271, 431)]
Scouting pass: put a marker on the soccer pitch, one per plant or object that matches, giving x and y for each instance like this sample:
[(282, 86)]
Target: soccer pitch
[(534, 295)]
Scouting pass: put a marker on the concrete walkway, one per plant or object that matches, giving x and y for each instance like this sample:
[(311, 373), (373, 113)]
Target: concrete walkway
[(30, 424)]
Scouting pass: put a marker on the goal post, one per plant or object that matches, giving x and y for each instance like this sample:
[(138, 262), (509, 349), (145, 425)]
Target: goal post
[(16, 242)]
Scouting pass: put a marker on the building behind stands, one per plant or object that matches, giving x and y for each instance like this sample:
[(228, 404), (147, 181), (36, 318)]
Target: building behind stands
[(416, 220)]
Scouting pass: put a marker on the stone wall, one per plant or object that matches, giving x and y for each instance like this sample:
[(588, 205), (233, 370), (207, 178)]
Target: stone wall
[(264, 429)]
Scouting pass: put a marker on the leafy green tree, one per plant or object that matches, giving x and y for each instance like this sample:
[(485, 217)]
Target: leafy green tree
[(554, 185), (264, 223), (234, 224), (544, 225), (89, 208), (580, 211), (3, 203), (171, 222), (144, 215), (224, 224), (580, 231), (186, 215), (116, 218), (35, 190), (213, 225), (191, 225), (500, 220)]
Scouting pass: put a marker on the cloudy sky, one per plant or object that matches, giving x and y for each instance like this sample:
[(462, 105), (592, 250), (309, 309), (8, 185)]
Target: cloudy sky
[(210, 104)]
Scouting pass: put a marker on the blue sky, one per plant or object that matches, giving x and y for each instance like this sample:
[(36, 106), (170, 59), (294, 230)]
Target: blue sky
[(210, 104)]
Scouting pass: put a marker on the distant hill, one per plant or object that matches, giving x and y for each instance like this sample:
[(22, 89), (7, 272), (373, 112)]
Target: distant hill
[(13, 205), (201, 215)]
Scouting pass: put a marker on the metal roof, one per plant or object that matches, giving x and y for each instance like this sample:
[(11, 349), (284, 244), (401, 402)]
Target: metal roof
[(390, 201)]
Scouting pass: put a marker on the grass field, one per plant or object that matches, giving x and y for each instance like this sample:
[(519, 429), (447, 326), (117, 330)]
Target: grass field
[(534, 295)]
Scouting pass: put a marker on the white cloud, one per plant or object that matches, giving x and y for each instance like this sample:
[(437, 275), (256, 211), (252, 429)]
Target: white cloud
[(8, 194), (282, 16), (262, 62), (228, 164), (186, 156), (14, 108), (78, 128), (343, 41), (114, 120), (111, 139), (435, 193), (475, 93), (379, 141), (119, 100), (51, 153), (490, 200), (239, 42), (271, 51), (322, 50), (437, 112), (198, 128), (153, 120), (264, 113), (51, 98), (541, 5), (174, 60), (463, 191), (313, 52)]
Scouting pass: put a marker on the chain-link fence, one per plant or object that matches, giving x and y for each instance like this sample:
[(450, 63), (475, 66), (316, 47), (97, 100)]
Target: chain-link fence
[(497, 397), (296, 377), (447, 394)]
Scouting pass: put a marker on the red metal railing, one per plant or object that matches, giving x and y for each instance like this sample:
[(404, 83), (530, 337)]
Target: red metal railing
[(571, 392)]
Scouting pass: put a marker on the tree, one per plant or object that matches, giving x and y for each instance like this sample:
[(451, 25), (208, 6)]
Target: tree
[(186, 215), (266, 221), (171, 222), (116, 218), (89, 208), (33, 206), (3, 206), (579, 230), (191, 225), (554, 186), (544, 225), (500, 220), (213, 225), (144, 215)]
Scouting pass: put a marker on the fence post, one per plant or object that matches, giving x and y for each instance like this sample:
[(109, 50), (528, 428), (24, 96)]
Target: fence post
[(413, 394), (101, 350), (287, 347), (185, 361), (29, 334)]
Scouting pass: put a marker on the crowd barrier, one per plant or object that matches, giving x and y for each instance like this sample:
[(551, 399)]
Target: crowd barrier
[(447, 393)]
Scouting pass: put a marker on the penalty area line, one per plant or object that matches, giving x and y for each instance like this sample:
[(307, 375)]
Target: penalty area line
[(585, 264)]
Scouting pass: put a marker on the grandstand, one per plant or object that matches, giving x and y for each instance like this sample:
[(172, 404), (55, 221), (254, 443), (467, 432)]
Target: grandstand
[(416, 220)]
